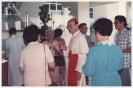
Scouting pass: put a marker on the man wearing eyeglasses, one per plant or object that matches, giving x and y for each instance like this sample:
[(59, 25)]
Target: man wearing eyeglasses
[(83, 29), (77, 50), (123, 39)]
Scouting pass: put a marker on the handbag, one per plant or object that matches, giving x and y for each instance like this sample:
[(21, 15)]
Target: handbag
[(59, 60)]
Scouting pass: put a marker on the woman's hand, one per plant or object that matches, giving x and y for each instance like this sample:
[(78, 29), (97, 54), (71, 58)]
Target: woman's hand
[(3, 54), (56, 51), (63, 47)]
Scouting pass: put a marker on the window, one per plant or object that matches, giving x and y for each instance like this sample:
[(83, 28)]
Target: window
[(52, 6), (69, 8), (55, 8), (59, 7), (91, 9), (91, 15), (59, 2), (91, 12)]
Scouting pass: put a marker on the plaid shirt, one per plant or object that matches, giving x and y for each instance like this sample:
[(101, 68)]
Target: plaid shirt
[(123, 39)]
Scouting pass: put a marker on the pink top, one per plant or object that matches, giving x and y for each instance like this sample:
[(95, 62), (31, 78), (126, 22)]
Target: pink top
[(62, 41), (54, 44)]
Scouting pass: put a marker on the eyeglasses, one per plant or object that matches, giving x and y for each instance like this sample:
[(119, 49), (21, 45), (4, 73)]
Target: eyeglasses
[(69, 26), (116, 22)]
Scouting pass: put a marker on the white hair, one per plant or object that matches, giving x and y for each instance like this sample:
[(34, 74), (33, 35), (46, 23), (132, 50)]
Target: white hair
[(49, 30)]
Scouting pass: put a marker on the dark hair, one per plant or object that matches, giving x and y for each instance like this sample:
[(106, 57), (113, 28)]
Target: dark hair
[(121, 18), (12, 31), (81, 25), (58, 32), (30, 34), (42, 32), (128, 28), (104, 26)]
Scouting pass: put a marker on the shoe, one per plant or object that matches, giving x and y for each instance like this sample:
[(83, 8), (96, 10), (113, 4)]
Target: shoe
[(53, 84), (64, 83)]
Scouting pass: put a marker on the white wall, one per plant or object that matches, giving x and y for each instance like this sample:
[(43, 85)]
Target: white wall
[(99, 11), (34, 20), (128, 5), (122, 8), (83, 14), (110, 11), (31, 7), (65, 11)]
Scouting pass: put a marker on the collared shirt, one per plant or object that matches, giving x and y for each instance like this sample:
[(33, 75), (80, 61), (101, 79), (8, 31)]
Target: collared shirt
[(72, 38), (123, 40), (88, 39)]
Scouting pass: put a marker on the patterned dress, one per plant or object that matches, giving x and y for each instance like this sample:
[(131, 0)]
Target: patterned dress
[(61, 40), (53, 74), (103, 63)]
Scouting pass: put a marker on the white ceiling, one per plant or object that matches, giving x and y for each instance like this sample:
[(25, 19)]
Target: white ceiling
[(92, 4)]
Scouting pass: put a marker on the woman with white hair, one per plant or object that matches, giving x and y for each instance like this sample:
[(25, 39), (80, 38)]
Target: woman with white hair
[(53, 46)]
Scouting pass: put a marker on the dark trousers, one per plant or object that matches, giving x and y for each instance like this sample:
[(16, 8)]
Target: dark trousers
[(88, 80), (125, 77), (86, 77)]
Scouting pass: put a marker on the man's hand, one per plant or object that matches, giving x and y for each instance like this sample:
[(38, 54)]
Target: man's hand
[(63, 47), (54, 49), (78, 75), (50, 47)]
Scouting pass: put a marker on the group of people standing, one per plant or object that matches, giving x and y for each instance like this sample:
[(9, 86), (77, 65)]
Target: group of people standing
[(107, 63)]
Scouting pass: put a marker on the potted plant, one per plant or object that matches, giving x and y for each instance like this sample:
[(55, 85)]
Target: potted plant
[(44, 16)]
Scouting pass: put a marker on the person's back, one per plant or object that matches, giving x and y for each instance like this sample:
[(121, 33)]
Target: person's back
[(35, 64), (16, 45), (13, 47), (104, 60), (35, 59), (32, 57), (108, 63)]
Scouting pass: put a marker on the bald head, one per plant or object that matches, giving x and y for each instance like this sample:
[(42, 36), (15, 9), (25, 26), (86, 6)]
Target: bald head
[(72, 25), (74, 20)]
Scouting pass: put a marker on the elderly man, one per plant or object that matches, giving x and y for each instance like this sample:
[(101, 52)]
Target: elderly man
[(83, 29), (77, 50)]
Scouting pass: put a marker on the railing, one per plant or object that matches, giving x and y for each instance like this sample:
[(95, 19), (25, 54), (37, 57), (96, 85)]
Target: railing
[(15, 17), (23, 18)]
